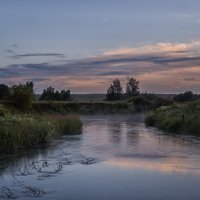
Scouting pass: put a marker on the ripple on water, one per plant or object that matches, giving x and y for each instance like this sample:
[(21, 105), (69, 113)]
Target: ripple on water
[(116, 156)]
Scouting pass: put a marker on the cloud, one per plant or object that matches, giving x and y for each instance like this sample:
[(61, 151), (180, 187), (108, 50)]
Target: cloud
[(15, 55), (38, 79), (37, 55), (113, 73), (156, 48), (190, 79), (15, 45), (9, 51), (156, 71)]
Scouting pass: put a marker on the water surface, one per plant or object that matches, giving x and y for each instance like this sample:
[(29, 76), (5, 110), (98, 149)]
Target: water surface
[(117, 158)]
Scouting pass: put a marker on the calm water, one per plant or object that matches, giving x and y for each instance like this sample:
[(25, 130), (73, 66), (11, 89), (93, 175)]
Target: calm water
[(117, 157)]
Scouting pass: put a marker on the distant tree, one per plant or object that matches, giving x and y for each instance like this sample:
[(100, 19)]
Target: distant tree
[(22, 95), (48, 94), (132, 87), (187, 96), (30, 85), (115, 91), (51, 94), (65, 95), (110, 96), (4, 92)]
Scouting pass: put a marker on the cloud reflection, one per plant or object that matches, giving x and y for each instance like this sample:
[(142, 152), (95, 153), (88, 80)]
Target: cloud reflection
[(164, 165)]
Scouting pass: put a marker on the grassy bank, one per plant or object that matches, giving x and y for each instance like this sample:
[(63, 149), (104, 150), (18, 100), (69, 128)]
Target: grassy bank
[(136, 104), (63, 107), (179, 118), (141, 103), (19, 131)]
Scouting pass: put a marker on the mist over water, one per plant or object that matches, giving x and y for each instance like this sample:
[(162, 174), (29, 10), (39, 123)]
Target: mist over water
[(117, 157)]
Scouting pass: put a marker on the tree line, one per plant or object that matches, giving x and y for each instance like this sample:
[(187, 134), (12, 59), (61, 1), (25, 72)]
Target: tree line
[(22, 95), (115, 90), (186, 96)]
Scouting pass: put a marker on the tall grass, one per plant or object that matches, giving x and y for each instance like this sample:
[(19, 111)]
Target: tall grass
[(68, 125), (177, 118), (21, 131)]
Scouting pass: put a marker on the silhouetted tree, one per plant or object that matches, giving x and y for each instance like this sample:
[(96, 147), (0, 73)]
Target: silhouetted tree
[(115, 91), (51, 94), (132, 87), (22, 95), (110, 96), (65, 95), (4, 92), (187, 96), (30, 85)]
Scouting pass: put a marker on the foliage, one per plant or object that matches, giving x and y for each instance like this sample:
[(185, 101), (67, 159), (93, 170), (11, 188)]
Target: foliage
[(68, 125), (22, 131), (115, 91), (178, 118), (4, 112), (51, 94), (146, 102), (132, 87), (187, 96), (61, 107), (22, 95), (4, 92)]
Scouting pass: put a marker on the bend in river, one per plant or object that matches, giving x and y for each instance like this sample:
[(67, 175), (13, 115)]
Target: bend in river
[(117, 157)]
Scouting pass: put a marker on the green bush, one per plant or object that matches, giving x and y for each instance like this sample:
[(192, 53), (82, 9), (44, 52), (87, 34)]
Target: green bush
[(4, 112), (178, 118), (150, 119), (22, 95)]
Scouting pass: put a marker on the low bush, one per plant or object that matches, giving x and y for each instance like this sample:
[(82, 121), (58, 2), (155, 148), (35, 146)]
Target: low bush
[(176, 118)]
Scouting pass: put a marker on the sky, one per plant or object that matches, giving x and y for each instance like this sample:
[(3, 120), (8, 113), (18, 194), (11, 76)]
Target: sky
[(82, 45)]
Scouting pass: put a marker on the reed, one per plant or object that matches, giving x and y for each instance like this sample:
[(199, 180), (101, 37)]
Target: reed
[(24, 130)]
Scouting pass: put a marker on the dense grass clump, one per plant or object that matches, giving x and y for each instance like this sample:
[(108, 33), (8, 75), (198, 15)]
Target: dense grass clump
[(70, 125), (22, 130), (178, 118)]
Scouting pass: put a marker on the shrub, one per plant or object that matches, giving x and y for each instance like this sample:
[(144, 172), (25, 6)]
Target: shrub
[(178, 118), (22, 95), (187, 96), (4, 112)]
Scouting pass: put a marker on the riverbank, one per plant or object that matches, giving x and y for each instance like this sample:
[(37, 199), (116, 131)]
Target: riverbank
[(19, 131), (24, 129), (136, 104), (178, 118), (131, 156)]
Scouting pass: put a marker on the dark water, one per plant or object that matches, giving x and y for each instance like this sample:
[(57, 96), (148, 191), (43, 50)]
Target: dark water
[(116, 158)]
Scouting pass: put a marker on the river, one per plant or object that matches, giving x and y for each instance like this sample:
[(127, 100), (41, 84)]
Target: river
[(116, 157)]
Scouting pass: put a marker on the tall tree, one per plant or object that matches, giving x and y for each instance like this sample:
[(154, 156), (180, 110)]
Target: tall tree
[(110, 96), (51, 94), (132, 87), (22, 95), (115, 91)]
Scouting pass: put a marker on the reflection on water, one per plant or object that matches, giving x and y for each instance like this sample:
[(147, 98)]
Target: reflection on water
[(117, 157)]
